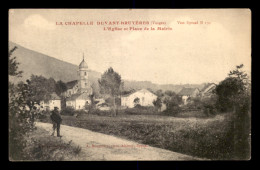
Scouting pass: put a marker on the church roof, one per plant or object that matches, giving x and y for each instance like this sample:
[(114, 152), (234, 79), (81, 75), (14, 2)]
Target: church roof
[(83, 96), (71, 84), (83, 64)]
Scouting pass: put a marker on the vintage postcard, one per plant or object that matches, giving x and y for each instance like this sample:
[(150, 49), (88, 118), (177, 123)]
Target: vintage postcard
[(129, 84)]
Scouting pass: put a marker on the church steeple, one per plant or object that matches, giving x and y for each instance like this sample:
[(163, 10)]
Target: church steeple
[(83, 64)]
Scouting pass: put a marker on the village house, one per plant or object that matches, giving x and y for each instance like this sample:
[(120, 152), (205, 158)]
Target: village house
[(78, 101), (145, 97), (55, 101), (79, 91), (207, 90), (188, 93)]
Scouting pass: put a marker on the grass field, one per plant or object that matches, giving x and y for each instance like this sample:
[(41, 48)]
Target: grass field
[(202, 137)]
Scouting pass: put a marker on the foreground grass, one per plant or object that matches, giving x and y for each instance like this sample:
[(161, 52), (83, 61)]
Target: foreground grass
[(41, 146), (202, 137)]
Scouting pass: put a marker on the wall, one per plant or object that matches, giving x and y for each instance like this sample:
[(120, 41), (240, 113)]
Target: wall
[(195, 93), (184, 99), (70, 103), (80, 104), (54, 103)]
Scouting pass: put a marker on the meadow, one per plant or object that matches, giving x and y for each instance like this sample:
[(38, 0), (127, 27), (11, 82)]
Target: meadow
[(203, 137)]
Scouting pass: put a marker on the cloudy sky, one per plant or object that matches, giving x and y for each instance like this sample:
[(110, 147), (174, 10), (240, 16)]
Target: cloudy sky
[(188, 53)]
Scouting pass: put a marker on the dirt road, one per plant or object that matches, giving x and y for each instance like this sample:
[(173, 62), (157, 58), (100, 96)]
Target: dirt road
[(98, 146)]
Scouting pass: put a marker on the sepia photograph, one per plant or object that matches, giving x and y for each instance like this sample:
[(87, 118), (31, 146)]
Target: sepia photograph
[(129, 84)]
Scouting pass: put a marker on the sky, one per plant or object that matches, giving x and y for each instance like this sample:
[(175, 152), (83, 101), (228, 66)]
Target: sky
[(184, 53)]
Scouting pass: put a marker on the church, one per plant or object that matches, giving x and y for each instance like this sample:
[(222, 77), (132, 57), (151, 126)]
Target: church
[(79, 91)]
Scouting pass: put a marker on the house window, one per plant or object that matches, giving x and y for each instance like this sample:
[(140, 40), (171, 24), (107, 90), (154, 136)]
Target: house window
[(85, 73)]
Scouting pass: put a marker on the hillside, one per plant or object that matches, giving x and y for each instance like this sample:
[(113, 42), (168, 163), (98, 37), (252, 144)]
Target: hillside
[(154, 87), (32, 62)]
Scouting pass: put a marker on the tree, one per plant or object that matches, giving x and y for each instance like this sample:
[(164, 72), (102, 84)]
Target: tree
[(234, 91), (13, 64), (172, 103), (92, 105), (234, 94), (40, 88), (19, 117), (60, 87), (229, 91), (159, 93), (110, 84), (158, 103), (169, 93)]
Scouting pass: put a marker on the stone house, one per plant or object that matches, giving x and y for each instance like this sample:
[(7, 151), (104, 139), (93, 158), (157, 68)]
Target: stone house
[(188, 93), (55, 101), (145, 97)]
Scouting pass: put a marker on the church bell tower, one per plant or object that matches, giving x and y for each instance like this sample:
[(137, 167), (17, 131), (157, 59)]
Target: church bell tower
[(83, 82)]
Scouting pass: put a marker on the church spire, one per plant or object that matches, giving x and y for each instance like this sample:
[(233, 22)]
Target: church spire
[(83, 64)]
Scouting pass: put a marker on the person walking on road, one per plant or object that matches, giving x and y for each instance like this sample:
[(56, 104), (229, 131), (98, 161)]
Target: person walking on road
[(56, 120)]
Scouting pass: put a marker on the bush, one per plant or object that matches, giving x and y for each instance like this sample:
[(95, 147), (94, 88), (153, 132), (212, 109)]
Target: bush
[(110, 101), (42, 116), (172, 110), (79, 113), (138, 109), (209, 106), (209, 110), (68, 111), (88, 106), (100, 112), (138, 106)]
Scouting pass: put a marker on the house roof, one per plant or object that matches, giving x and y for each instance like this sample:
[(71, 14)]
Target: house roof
[(71, 84), (142, 90), (83, 96), (128, 94), (187, 91), (54, 96), (208, 87)]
